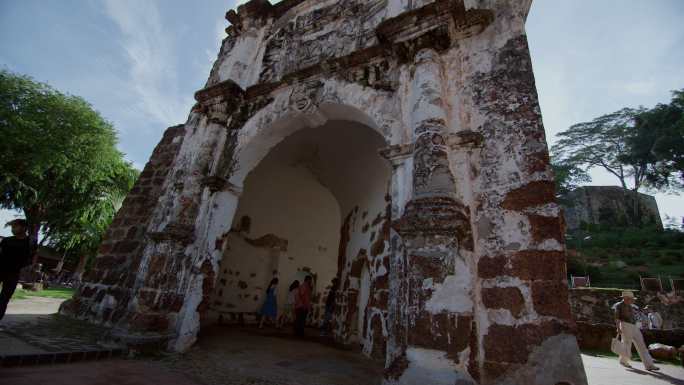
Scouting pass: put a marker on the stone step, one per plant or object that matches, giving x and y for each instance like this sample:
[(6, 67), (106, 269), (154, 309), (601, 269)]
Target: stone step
[(51, 358)]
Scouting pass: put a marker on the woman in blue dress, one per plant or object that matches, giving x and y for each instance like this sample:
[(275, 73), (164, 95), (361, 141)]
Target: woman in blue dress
[(270, 307)]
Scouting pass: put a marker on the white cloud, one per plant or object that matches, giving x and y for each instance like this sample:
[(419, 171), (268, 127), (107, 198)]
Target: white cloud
[(153, 56), (640, 87)]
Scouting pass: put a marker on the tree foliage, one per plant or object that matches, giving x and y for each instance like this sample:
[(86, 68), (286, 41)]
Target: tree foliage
[(640, 147), (603, 143), (568, 177), (657, 143), (60, 164)]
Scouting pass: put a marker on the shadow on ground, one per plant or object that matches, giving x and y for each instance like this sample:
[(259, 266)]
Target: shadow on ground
[(250, 356)]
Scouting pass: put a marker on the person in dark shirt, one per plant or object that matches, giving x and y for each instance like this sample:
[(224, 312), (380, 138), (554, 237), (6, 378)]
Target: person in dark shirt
[(329, 307), (15, 254), (302, 305)]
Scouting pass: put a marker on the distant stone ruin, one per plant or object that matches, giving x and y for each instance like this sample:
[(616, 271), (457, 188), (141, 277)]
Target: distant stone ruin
[(610, 206), (394, 144)]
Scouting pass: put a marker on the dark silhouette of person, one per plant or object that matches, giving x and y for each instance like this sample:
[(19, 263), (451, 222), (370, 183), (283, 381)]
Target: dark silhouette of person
[(302, 305), (16, 252)]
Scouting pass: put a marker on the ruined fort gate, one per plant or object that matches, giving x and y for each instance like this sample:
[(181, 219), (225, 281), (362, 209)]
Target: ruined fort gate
[(395, 144)]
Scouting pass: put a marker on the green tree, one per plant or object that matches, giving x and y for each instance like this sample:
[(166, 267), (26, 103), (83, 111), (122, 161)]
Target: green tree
[(60, 165), (602, 143), (658, 144), (605, 143), (568, 177)]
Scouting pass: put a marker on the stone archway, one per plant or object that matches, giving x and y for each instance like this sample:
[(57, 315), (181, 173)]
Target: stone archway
[(316, 202), (472, 244)]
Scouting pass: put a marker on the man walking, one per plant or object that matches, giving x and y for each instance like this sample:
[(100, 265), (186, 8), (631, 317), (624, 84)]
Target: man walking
[(625, 322), (16, 253), (302, 306)]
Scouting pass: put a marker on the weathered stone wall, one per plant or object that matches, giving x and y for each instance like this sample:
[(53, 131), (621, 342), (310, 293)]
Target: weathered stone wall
[(464, 251), (609, 206), (108, 288)]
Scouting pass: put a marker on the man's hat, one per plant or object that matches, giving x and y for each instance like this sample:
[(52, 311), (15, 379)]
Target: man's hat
[(627, 294), (18, 221)]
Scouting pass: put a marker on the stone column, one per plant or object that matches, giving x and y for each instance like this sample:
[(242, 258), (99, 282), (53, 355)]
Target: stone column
[(184, 233), (435, 226)]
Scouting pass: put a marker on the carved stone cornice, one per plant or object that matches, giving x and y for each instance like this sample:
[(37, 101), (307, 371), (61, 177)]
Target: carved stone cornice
[(227, 89), (219, 101), (174, 232), (214, 183), (465, 139), (441, 216), (400, 38), (217, 183), (397, 151), (428, 27), (472, 22), (257, 11), (455, 141), (435, 25)]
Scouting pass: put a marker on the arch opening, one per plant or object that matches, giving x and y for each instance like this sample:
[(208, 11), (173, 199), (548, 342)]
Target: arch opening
[(316, 204)]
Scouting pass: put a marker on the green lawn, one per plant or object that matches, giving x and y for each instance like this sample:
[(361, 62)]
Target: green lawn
[(57, 292), (617, 257)]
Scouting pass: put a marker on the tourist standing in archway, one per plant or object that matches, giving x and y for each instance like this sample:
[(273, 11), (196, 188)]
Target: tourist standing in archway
[(288, 314), (329, 306), (302, 306), (270, 307)]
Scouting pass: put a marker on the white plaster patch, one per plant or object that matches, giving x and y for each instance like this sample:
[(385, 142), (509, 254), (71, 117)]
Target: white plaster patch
[(453, 295), (427, 366), (188, 317)]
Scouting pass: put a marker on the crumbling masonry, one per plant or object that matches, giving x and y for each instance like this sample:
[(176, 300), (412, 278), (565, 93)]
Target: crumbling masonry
[(395, 144)]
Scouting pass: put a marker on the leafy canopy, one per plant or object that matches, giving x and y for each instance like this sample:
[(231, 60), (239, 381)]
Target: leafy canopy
[(568, 177), (658, 144), (60, 164), (644, 146), (601, 143)]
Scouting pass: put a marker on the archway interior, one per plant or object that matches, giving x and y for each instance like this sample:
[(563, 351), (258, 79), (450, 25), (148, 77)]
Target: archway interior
[(316, 204)]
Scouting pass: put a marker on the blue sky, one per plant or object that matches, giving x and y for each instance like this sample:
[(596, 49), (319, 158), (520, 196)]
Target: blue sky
[(139, 62)]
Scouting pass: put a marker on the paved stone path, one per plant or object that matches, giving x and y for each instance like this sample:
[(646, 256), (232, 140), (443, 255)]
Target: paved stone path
[(118, 372), (607, 371), (31, 326), (235, 357), (226, 356), (600, 371)]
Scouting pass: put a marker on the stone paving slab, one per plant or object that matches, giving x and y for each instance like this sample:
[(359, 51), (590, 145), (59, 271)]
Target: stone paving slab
[(116, 371), (12, 345), (246, 359), (230, 356), (607, 371), (55, 333), (31, 333)]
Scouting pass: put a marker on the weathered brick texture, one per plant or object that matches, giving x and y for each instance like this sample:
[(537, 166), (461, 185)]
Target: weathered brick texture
[(118, 260)]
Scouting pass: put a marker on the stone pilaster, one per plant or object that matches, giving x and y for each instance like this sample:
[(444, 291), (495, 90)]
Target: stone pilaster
[(434, 227)]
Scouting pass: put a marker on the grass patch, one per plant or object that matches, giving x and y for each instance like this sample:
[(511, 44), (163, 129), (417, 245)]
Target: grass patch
[(616, 257), (57, 292)]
